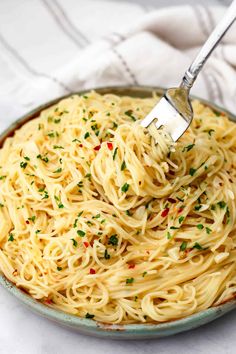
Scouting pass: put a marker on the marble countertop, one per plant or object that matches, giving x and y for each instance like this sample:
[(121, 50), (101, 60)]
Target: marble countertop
[(23, 332)]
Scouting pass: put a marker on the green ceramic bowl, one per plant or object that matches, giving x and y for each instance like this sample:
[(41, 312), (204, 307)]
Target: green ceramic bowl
[(90, 327)]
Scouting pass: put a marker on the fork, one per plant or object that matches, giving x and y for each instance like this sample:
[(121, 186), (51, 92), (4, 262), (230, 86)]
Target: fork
[(174, 111)]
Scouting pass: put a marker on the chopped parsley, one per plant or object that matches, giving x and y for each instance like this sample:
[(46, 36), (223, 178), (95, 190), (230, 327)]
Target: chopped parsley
[(80, 233), (192, 171), (23, 165), (129, 113), (106, 255), (75, 223), (183, 246), (125, 187), (45, 159), (26, 158), (198, 246), (174, 228), (75, 243), (58, 170), (114, 154), (59, 203), (80, 213), (197, 207), (188, 147), (2, 177), (123, 166), (59, 268), (113, 240), (11, 237), (144, 273), (168, 235), (89, 315), (58, 147), (96, 216), (57, 121), (221, 204), (86, 135), (181, 219), (208, 230), (32, 218), (129, 280), (200, 226)]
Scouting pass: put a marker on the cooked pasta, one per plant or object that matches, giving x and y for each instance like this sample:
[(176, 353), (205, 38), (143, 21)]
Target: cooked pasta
[(102, 220)]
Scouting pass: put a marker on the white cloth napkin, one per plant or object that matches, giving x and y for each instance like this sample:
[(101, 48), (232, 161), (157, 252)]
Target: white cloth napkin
[(154, 50)]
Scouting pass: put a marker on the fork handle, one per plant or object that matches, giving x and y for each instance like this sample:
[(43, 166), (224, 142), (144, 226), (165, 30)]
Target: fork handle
[(211, 43)]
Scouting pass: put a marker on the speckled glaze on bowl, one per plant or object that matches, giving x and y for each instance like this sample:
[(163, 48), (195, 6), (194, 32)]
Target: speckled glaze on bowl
[(90, 327)]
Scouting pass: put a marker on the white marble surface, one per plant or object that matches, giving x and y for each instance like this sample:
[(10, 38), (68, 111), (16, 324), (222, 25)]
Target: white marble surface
[(23, 332)]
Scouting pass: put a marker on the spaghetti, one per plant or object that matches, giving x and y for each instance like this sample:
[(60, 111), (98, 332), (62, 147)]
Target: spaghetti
[(98, 220)]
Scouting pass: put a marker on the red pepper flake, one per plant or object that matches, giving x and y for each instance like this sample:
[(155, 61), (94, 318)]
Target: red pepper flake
[(96, 148), (171, 200), (48, 301), (110, 146), (131, 266), (27, 222), (80, 145), (180, 210), (165, 212), (92, 271), (86, 244)]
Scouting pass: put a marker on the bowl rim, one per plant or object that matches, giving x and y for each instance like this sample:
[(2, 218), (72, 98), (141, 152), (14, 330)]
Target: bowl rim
[(88, 326)]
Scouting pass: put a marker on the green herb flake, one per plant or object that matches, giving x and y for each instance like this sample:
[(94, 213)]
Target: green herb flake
[(106, 255), (183, 246), (57, 121), (113, 240), (59, 268), (188, 147), (58, 147), (123, 166), (197, 207), (89, 315), (11, 237), (86, 135), (80, 233), (80, 213), (115, 153), (200, 226), (23, 165), (221, 204), (144, 273), (75, 243), (125, 187), (26, 158), (168, 235), (58, 170), (174, 228), (192, 171), (32, 218), (129, 280), (129, 113), (181, 219), (2, 177), (96, 216), (198, 246), (208, 230)]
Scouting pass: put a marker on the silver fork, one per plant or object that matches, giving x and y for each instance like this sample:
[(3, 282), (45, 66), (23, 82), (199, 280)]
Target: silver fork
[(174, 111)]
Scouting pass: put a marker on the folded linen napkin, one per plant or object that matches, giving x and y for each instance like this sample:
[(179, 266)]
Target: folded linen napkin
[(154, 51)]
